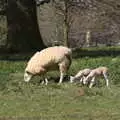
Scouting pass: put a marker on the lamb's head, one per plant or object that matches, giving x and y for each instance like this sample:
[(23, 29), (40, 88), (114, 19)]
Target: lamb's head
[(39, 2), (27, 76)]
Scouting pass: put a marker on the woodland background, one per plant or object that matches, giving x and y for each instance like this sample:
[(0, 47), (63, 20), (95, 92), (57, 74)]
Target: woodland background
[(25, 27)]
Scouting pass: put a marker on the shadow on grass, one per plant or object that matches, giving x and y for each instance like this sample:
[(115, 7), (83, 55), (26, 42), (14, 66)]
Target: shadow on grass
[(96, 52), (83, 52), (16, 56)]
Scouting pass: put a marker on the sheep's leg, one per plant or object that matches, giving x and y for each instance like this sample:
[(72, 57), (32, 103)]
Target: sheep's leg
[(46, 81), (62, 70), (61, 77), (92, 82), (43, 81), (106, 79)]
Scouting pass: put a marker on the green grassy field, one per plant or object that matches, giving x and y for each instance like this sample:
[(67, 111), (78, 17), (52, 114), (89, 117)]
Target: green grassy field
[(33, 101)]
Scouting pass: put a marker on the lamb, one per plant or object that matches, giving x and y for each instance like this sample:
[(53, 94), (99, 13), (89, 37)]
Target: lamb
[(95, 73), (80, 75), (51, 58)]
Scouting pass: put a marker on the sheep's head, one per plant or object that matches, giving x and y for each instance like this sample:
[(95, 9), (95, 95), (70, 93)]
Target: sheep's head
[(39, 2), (27, 77)]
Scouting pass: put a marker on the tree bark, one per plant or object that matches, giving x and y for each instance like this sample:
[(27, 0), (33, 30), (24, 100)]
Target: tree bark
[(88, 38), (23, 30), (3, 25), (66, 24)]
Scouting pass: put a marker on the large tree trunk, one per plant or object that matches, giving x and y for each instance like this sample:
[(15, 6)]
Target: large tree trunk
[(3, 26), (23, 31)]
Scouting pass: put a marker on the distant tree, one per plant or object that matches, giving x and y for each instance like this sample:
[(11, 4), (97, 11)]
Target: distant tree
[(62, 8)]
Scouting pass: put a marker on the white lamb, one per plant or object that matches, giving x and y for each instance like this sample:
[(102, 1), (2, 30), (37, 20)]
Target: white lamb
[(95, 73), (52, 58), (80, 75)]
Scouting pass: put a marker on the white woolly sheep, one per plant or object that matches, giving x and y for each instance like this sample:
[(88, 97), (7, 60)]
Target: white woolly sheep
[(80, 75), (95, 73), (52, 58)]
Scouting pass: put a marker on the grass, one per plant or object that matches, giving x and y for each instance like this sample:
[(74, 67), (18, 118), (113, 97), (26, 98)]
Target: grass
[(32, 101)]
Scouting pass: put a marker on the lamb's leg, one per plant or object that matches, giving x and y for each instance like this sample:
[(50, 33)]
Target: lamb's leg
[(85, 80), (92, 82), (82, 79), (72, 79), (106, 79)]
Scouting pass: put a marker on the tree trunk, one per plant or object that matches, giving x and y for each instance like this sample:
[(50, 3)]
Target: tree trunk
[(23, 31), (66, 34), (66, 25), (3, 26), (88, 38)]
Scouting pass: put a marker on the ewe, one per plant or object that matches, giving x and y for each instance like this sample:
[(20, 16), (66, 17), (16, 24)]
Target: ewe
[(80, 75), (52, 58), (95, 73)]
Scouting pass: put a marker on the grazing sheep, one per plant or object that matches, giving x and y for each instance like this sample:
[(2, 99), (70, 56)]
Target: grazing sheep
[(95, 73), (52, 58), (80, 75)]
